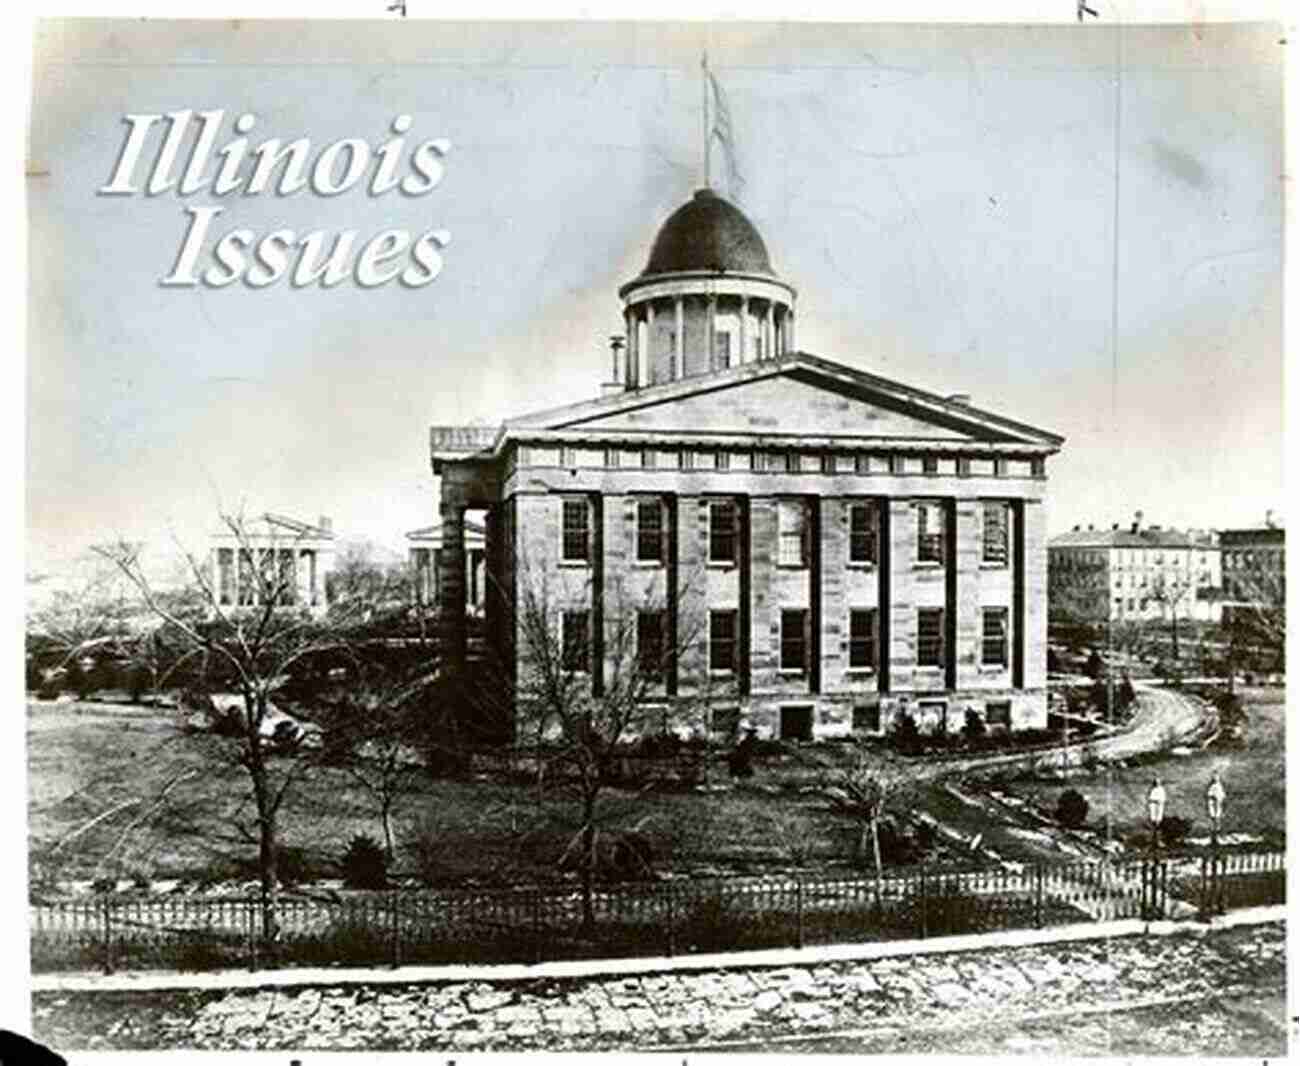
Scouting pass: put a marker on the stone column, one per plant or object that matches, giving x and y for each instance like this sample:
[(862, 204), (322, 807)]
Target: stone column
[(629, 364), (710, 312), (650, 347), (789, 330), (679, 341), (744, 329), (769, 328), (451, 586)]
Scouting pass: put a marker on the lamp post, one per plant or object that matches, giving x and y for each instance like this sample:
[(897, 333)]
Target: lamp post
[(1156, 814), (1155, 811), (1214, 797)]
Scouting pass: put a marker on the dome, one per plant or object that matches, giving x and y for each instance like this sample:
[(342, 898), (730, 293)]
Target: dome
[(708, 233)]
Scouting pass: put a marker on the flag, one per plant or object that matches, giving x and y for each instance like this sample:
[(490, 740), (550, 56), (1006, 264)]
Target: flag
[(720, 130)]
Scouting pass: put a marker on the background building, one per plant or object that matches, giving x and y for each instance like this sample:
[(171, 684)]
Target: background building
[(1141, 572), (272, 552), (827, 547), (425, 553), (1254, 593)]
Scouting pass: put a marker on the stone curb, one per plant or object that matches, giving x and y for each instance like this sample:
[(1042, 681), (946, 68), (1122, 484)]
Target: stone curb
[(155, 981)]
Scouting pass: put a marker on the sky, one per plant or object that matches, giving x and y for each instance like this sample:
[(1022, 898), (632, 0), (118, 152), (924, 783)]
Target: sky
[(943, 197)]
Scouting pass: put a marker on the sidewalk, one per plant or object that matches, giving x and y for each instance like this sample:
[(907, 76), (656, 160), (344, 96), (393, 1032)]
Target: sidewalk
[(1178, 984), (307, 977)]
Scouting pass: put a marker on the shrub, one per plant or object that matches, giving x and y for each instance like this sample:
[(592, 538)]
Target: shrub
[(904, 734), (974, 730), (364, 863), (292, 866), (1174, 830), (1072, 809)]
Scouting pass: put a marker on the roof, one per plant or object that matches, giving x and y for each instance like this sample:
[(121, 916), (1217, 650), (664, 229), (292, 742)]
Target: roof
[(711, 234), (1126, 538), (269, 525), (452, 443), (434, 532)]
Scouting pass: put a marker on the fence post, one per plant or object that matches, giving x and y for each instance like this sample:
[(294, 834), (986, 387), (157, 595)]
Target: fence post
[(1038, 896), (672, 920), (924, 901), (250, 910), (108, 936), (537, 923), (396, 927), (798, 904)]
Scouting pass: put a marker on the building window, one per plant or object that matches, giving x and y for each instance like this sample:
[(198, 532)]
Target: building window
[(688, 459), (866, 718), (1038, 467), (247, 578), (999, 467), (963, 466), (722, 642), (648, 458), (722, 531), (225, 575), (650, 644), (575, 642), (791, 463), (994, 643), (931, 528), (721, 460), (998, 714), (792, 533), (863, 532), (929, 636), (828, 462), (611, 457), (650, 531), (722, 350), (566, 456), (996, 528), (797, 723), (862, 463), (862, 640), (929, 464), (575, 543), (895, 464), (794, 640)]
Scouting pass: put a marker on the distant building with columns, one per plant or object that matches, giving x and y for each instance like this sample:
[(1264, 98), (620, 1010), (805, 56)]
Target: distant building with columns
[(425, 554), (825, 547), (272, 555)]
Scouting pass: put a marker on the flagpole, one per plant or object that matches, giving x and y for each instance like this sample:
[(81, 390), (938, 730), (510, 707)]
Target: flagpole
[(704, 111)]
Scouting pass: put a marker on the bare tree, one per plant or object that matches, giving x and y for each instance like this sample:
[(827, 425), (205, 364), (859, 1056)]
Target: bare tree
[(1171, 590), (1255, 614), (254, 645), (864, 786), (577, 702), (374, 729)]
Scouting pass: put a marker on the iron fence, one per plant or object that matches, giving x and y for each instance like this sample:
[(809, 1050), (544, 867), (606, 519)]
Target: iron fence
[(670, 917)]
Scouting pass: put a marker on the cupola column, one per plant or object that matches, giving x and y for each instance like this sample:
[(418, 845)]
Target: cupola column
[(629, 365), (679, 331), (744, 329), (789, 330), (769, 345), (651, 348), (710, 334)]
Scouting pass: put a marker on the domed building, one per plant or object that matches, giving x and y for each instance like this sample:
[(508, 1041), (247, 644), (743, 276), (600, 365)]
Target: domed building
[(738, 535)]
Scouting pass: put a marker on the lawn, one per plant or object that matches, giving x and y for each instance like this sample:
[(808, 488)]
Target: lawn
[(88, 760), (1254, 776)]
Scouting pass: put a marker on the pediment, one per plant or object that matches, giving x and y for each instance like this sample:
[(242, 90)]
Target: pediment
[(793, 402)]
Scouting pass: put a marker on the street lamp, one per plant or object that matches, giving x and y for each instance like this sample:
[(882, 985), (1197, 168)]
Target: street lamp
[(1214, 797), (1156, 813), (1156, 810)]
